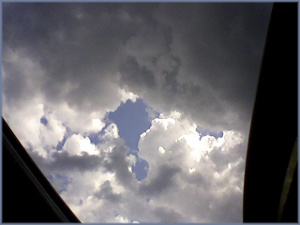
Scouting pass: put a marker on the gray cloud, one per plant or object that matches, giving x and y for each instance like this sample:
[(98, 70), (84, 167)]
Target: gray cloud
[(218, 48), (16, 83), (221, 159), (135, 75), (106, 193), (229, 209), (167, 215), (76, 52), (163, 180), (63, 161), (117, 163), (197, 178)]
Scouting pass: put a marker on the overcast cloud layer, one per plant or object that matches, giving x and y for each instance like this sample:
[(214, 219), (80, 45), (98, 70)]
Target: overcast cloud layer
[(65, 66)]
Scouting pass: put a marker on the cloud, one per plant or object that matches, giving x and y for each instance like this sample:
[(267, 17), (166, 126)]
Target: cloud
[(167, 215), (65, 161), (77, 145), (106, 193), (163, 180), (111, 132), (178, 188), (77, 79), (187, 56), (179, 176), (211, 61), (196, 64), (118, 163)]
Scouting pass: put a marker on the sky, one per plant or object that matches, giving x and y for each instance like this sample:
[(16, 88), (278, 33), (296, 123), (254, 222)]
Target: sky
[(136, 112), (132, 120)]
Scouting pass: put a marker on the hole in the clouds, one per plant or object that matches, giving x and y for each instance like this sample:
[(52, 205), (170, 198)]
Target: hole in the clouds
[(140, 169), (132, 119), (61, 143), (60, 182), (205, 132), (94, 137), (44, 121)]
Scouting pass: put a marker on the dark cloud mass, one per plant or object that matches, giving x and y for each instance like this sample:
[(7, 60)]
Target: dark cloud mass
[(63, 161), (222, 53), (106, 193), (85, 46), (117, 163), (135, 75), (161, 181), (75, 51), (196, 64)]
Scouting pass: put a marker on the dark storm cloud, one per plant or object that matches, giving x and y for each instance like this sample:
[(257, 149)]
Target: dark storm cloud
[(169, 54), (135, 75), (220, 49), (78, 46)]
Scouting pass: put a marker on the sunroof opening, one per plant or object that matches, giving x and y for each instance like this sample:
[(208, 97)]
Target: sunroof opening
[(136, 112)]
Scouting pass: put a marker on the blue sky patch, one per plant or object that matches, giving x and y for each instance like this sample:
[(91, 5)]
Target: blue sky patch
[(44, 121), (132, 120), (94, 137), (205, 132), (67, 134), (140, 169)]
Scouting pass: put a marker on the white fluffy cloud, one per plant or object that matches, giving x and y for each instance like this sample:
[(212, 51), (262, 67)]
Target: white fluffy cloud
[(65, 66), (186, 180), (183, 175), (78, 145)]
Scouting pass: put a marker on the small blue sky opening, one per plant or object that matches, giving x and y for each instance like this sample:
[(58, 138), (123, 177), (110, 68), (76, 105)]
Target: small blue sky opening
[(205, 132), (44, 121), (140, 169), (132, 120), (64, 180), (61, 143), (94, 137)]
